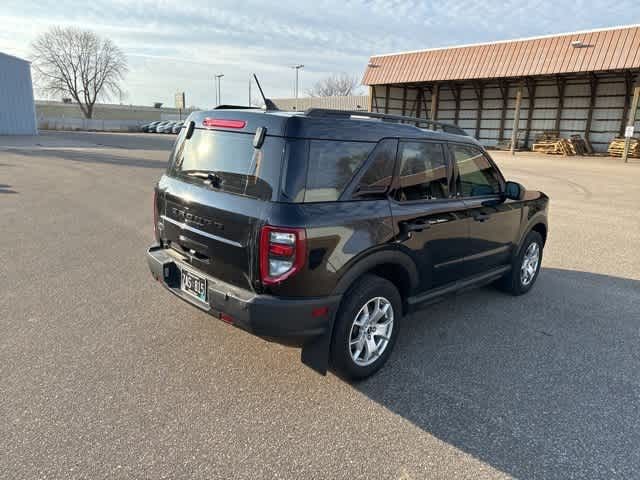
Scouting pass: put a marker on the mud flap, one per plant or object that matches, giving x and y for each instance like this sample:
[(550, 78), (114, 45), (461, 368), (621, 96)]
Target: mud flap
[(315, 353)]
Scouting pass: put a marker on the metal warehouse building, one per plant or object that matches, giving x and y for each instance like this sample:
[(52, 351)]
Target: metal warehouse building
[(575, 83), (17, 110)]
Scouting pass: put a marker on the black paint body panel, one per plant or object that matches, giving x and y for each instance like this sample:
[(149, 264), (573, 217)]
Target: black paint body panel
[(217, 233)]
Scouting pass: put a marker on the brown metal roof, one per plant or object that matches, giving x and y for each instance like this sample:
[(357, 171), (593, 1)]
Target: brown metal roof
[(609, 49)]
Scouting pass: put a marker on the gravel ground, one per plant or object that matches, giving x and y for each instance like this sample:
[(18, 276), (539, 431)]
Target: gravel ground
[(103, 374)]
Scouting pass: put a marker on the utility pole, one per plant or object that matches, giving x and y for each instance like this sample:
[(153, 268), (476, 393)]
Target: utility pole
[(219, 88), (297, 68), (630, 123), (516, 121)]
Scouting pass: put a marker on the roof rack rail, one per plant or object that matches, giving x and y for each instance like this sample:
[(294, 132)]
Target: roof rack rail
[(430, 124)]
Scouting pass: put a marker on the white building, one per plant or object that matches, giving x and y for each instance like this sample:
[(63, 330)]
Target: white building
[(17, 109)]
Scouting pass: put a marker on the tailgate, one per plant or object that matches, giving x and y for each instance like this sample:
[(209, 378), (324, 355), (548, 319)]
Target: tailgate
[(217, 231), (218, 185)]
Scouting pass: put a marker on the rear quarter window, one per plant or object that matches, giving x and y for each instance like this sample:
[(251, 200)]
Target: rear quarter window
[(331, 166)]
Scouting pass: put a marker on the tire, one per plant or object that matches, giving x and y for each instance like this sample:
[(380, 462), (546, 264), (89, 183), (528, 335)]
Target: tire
[(355, 329), (515, 282)]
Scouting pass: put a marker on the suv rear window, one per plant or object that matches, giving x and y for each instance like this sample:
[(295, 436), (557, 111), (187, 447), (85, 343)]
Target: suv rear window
[(331, 166), (230, 157)]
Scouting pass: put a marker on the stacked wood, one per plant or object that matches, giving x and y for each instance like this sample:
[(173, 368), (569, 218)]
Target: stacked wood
[(551, 143), (616, 147), (557, 146), (580, 147)]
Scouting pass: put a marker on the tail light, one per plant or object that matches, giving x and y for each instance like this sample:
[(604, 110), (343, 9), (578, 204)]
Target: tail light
[(282, 253), (155, 215)]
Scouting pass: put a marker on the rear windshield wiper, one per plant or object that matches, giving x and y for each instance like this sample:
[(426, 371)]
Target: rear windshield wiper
[(212, 178)]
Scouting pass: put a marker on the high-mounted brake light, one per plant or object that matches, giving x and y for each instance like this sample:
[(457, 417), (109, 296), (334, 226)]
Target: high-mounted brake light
[(223, 123), (282, 253)]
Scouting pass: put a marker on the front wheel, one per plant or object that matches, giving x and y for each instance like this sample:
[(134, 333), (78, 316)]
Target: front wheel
[(366, 327), (525, 266)]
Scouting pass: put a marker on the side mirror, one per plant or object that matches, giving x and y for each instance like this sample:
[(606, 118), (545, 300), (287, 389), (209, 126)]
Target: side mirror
[(514, 191)]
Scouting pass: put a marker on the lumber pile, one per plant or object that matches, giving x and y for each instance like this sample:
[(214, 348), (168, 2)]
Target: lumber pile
[(616, 147), (580, 147), (552, 144), (557, 146)]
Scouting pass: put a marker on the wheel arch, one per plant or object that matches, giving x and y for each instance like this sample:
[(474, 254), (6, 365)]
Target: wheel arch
[(537, 223), (541, 228), (393, 265)]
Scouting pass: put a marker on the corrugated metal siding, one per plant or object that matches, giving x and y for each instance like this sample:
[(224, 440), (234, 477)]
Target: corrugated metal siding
[(614, 49), (607, 113), (17, 112), (354, 102)]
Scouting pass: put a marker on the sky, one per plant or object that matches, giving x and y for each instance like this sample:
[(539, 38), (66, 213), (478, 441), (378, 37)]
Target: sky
[(179, 45)]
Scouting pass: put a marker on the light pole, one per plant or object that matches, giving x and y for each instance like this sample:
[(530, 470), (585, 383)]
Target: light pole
[(297, 68), (218, 77)]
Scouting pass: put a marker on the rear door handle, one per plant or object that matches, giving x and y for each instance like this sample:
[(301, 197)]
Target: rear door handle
[(481, 217)]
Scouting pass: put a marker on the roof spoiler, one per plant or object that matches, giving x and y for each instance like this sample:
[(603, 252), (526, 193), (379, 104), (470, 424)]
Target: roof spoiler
[(430, 124), (234, 107)]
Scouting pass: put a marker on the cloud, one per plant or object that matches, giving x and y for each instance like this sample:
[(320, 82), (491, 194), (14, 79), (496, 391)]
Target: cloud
[(180, 45)]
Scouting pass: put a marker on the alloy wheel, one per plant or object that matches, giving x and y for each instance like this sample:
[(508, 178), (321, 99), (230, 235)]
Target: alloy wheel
[(371, 331), (530, 263)]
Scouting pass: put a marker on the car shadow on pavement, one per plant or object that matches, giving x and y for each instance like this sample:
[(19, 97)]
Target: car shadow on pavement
[(95, 156), (546, 385)]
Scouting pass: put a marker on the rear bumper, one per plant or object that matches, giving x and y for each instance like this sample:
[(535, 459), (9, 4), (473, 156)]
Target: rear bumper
[(285, 320)]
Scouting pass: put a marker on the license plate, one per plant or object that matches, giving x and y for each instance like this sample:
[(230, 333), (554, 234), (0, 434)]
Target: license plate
[(193, 285)]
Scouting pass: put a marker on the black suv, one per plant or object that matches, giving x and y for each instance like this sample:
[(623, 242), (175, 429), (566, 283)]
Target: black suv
[(322, 229)]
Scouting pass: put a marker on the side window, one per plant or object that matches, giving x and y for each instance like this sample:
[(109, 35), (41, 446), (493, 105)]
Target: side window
[(380, 170), (331, 166), (477, 176), (423, 172)]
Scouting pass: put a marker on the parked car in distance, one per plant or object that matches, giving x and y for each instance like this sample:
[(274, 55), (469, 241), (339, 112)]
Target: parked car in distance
[(175, 129), (154, 128), (147, 127), (162, 128), (169, 127), (323, 229)]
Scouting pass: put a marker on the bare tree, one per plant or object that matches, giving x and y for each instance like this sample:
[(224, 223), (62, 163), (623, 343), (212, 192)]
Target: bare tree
[(340, 85), (79, 64)]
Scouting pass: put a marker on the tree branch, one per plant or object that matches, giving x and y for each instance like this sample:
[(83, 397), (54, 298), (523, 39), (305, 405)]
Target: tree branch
[(78, 63)]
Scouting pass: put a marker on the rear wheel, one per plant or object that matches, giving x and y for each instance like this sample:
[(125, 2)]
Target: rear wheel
[(525, 266), (366, 327)]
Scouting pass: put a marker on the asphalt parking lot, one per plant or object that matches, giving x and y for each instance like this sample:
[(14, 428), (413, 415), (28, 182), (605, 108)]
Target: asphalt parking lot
[(103, 374)]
